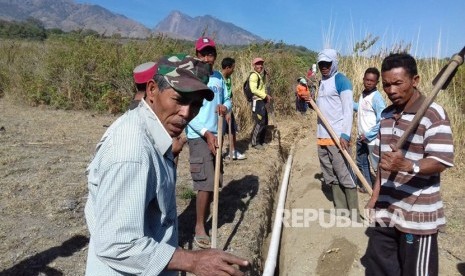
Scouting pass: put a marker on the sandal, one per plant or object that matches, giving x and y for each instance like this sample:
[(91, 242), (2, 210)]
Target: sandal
[(202, 241)]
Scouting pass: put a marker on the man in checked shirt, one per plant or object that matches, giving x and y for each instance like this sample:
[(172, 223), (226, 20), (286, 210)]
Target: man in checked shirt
[(131, 208)]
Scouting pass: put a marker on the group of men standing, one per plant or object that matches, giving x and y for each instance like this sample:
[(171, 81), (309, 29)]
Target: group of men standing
[(406, 205), (131, 209)]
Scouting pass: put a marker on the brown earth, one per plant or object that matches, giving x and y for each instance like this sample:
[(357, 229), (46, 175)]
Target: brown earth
[(43, 156), (322, 250)]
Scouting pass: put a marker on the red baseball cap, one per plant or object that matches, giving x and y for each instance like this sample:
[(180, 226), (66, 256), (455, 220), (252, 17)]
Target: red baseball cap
[(203, 42), (144, 72), (257, 60)]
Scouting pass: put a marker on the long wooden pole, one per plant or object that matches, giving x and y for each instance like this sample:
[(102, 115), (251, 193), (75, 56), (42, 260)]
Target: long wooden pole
[(216, 186), (344, 152), (231, 140)]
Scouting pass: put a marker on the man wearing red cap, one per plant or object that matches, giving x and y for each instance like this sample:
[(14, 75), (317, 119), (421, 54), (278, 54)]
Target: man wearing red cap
[(202, 134), (142, 74), (260, 99)]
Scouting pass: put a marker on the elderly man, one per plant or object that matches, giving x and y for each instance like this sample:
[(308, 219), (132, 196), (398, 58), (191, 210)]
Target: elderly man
[(142, 74), (131, 209)]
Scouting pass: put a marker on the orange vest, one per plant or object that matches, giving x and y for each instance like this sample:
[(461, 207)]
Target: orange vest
[(302, 91)]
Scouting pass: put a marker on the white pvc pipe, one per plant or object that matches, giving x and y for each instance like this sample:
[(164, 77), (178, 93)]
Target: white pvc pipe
[(270, 264)]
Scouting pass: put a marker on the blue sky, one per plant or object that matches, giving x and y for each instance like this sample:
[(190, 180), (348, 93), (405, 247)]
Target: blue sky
[(433, 27)]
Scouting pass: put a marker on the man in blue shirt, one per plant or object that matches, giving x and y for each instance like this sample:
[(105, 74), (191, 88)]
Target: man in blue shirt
[(131, 208), (202, 140)]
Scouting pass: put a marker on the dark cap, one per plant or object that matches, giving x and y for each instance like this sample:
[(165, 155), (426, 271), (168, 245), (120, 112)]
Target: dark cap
[(186, 74)]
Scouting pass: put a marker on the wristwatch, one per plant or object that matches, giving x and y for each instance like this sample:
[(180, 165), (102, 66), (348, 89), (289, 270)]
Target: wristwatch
[(415, 167)]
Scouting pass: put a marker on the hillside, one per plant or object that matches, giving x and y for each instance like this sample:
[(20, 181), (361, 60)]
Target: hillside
[(70, 16), (179, 25)]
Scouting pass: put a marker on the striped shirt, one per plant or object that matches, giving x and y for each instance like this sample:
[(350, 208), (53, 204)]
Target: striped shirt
[(131, 208), (412, 202)]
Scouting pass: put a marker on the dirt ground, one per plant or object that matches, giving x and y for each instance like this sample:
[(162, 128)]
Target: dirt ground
[(43, 156), (320, 249)]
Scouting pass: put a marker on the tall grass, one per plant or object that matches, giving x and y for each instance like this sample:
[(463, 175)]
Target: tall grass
[(74, 72), (452, 99)]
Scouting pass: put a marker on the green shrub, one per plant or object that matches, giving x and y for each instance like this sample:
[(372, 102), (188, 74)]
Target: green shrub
[(187, 193)]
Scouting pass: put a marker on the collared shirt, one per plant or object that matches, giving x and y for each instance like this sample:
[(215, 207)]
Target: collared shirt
[(412, 202), (131, 208)]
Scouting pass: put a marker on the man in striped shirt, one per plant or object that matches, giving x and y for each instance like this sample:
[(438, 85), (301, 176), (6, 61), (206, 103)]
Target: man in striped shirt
[(408, 209), (131, 208)]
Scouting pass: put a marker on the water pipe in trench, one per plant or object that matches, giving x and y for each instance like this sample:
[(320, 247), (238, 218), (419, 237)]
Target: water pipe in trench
[(271, 259)]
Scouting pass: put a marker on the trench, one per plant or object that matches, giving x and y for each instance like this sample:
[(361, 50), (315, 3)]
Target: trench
[(271, 194), (306, 250)]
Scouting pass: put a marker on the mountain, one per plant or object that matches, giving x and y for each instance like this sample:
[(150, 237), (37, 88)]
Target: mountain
[(68, 16), (179, 25)]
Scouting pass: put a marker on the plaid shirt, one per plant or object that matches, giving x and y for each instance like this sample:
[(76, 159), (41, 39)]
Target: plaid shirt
[(131, 209)]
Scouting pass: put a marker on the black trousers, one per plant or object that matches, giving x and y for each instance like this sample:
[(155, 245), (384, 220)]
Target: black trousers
[(260, 115), (391, 252)]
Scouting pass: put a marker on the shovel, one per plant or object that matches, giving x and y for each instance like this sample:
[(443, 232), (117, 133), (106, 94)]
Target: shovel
[(344, 152), (272, 123), (216, 186), (231, 139)]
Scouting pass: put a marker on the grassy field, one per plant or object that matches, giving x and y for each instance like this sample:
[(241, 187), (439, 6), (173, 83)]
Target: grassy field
[(87, 72)]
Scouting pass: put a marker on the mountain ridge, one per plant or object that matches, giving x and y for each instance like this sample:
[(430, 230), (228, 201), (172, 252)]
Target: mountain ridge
[(71, 16)]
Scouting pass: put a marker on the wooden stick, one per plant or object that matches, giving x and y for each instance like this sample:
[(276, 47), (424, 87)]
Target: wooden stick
[(217, 182), (230, 136), (344, 152)]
